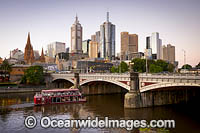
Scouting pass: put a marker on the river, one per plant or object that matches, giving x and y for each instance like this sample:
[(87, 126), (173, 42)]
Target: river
[(15, 107)]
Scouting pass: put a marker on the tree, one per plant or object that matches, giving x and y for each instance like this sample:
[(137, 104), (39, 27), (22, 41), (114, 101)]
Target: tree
[(113, 69), (33, 75), (163, 64), (155, 68), (139, 65), (198, 66), (6, 67), (123, 67), (170, 67), (186, 66)]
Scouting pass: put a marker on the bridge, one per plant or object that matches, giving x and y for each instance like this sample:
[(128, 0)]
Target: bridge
[(146, 81), (122, 80), (151, 89)]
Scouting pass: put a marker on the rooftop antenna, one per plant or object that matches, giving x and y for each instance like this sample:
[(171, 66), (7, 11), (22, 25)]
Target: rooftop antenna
[(107, 16), (76, 18)]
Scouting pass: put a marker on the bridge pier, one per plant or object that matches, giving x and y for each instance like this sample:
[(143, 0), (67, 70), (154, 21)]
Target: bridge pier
[(133, 98), (77, 81)]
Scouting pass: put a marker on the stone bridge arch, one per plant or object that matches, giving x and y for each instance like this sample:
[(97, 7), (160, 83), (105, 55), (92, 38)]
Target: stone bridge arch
[(123, 85), (169, 93), (62, 83), (67, 79), (166, 85)]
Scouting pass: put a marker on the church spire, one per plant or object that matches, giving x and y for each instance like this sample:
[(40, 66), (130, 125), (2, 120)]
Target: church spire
[(42, 58), (28, 39), (28, 52), (42, 53)]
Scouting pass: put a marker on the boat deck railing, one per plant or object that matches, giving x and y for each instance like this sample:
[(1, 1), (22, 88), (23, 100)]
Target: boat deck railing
[(38, 94)]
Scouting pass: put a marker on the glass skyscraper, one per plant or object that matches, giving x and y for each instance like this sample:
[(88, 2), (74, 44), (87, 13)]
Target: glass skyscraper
[(156, 45), (107, 40)]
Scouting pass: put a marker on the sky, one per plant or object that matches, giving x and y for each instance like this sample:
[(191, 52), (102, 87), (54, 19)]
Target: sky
[(177, 21)]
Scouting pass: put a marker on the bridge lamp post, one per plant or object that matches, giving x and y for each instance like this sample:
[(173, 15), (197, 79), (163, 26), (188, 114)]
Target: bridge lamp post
[(146, 66), (87, 66), (146, 61), (130, 67), (120, 63), (81, 67)]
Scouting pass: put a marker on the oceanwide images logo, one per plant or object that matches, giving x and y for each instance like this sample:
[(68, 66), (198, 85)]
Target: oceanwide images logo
[(30, 122), (47, 122)]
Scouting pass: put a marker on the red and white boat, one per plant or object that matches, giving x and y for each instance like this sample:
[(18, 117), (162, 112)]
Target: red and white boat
[(58, 96)]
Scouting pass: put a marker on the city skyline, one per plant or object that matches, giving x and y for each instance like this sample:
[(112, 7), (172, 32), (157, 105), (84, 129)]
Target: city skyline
[(176, 23)]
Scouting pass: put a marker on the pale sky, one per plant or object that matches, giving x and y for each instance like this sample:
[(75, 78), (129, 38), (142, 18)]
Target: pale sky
[(177, 21)]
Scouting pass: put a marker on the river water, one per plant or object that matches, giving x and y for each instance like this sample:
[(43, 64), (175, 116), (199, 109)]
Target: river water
[(15, 107)]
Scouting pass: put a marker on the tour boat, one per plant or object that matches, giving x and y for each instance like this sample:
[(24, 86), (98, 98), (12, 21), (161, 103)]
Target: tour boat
[(58, 96)]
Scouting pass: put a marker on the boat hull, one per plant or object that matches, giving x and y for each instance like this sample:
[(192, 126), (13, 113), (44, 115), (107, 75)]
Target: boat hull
[(68, 102)]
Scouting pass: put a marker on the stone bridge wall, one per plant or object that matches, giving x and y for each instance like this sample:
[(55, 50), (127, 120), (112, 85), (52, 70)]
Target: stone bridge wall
[(146, 81)]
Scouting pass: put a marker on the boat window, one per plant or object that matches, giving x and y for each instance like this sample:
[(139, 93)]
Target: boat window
[(53, 99), (58, 99)]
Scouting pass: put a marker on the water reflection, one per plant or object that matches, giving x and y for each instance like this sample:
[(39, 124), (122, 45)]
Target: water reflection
[(15, 98), (15, 107)]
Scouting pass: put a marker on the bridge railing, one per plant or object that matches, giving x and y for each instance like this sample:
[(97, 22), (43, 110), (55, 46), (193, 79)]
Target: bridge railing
[(104, 74), (170, 75), (91, 73)]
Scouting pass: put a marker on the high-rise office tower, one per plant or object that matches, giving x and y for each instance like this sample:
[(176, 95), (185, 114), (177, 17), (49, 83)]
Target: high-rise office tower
[(107, 40), (85, 46), (148, 50), (93, 49), (165, 53), (76, 37), (55, 48), (124, 45), (169, 53), (156, 45), (98, 43), (96, 38), (129, 45), (160, 50), (93, 38), (133, 43), (148, 42)]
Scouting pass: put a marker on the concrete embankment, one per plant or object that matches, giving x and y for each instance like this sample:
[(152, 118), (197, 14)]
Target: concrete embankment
[(19, 90)]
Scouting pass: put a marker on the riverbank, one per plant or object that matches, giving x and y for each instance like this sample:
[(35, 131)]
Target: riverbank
[(19, 90)]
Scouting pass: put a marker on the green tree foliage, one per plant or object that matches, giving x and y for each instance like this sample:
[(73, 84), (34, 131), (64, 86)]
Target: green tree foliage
[(163, 64), (153, 66), (198, 66), (33, 75), (170, 67), (6, 67), (113, 69), (139, 65), (123, 67), (186, 66)]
